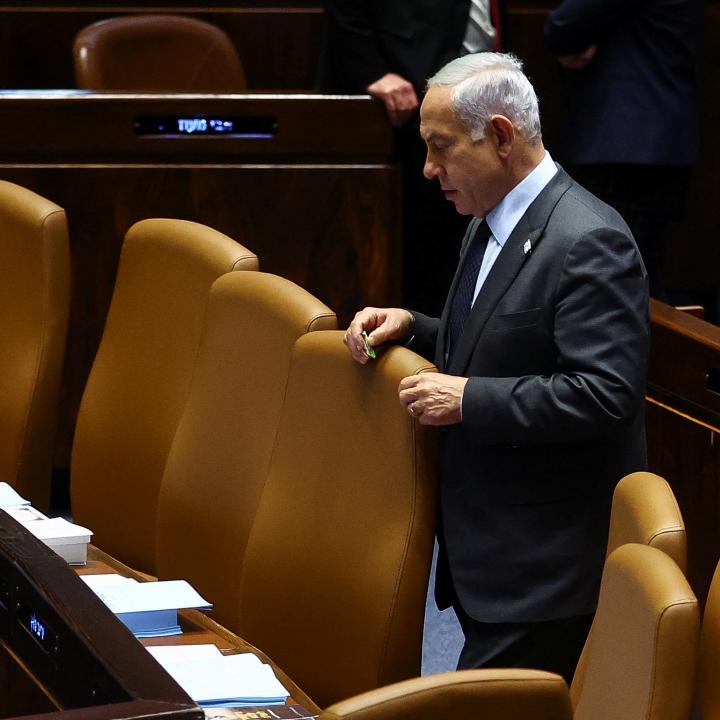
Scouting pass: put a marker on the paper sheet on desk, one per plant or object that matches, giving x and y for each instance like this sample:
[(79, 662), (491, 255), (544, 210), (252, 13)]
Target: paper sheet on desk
[(227, 680), (149, 609), (9, 497), (124, 598)]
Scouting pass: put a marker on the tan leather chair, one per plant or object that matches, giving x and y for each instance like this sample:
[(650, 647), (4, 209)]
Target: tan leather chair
[(709, 664), (644, 510), (337, 563), (159, 53), (641, 660), (463, 695), (140, 379), (219, 459), (34, 307)]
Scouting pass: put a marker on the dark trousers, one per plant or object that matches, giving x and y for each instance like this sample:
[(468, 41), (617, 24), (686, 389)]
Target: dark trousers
[(554, 645)]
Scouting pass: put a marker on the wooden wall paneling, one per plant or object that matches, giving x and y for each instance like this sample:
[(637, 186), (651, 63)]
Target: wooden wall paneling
[(330, 229), (683, 422)]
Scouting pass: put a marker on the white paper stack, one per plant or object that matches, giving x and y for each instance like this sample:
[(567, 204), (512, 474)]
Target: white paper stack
[(9, 497), (214, 680), (68, 540), (149, 609)]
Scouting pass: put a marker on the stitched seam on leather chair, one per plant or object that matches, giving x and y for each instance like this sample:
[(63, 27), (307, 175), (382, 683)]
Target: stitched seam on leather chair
[(679, 603), (41, 350), (242, 259), (403, 562), (319, 317)]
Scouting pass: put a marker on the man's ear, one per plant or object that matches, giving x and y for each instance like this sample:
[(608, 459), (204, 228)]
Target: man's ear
[(504, 133)]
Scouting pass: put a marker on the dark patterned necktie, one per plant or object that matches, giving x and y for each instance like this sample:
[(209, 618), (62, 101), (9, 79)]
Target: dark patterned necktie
[(465, 289)]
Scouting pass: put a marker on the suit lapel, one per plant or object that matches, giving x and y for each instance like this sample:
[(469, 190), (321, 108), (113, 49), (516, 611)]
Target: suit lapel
[(510, 261)]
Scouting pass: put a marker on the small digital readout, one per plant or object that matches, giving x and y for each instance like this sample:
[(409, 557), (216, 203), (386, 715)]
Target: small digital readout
[(38, 629), (257, 127)]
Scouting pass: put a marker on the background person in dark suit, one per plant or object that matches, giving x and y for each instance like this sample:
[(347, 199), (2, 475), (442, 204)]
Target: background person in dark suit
[(389, 48), (631, 129), (542, 375)]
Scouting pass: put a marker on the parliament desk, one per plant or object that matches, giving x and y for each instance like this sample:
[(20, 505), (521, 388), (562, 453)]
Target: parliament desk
[(305, 181), (683, 425), (65, 656)]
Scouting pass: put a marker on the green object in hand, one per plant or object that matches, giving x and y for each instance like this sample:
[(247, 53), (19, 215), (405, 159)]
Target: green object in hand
[(369, 350)]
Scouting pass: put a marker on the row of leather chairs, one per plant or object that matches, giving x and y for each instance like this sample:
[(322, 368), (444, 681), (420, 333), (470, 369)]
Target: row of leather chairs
[(226, 436), (639, 660), (222, 438)]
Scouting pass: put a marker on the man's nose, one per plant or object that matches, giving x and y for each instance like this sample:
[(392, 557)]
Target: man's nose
[(431, 169)]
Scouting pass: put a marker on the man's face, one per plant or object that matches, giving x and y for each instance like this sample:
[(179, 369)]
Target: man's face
[(470, 172)]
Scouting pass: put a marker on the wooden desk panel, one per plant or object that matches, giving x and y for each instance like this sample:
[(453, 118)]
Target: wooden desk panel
[(82, 662), (683, 422), (197, 627), (319, 203)]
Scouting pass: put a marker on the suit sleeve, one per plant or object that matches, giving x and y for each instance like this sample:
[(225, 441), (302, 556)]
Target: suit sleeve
[(576, 24), (353, 47), (424, 337), (601, 338)]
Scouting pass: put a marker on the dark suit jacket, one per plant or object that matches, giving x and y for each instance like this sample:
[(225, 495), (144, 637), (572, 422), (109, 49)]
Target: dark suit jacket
[(637, 100), (365, 39), (556, 350)]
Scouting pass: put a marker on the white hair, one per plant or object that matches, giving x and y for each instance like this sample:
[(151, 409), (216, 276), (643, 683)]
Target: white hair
[(486, 84)]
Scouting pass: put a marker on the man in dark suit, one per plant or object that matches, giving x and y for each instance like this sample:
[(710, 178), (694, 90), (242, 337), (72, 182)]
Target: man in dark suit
[(631, 129), (389, 48), (542, 350)]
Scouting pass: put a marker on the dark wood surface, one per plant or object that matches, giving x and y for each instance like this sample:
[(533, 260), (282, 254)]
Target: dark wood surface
[(683, 422), (197, 627), (280, 46), (90, 666), (319, 203)]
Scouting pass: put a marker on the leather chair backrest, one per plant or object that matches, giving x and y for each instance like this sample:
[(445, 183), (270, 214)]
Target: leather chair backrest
[(645, 511), (171, 53), (34, 308), (709, 664), (140, 378), (337, 564), (220, 456), (642, 648), (488, 694)]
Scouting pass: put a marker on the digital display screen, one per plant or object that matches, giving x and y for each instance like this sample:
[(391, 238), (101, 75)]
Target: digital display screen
[(39, 630), (257, 127)]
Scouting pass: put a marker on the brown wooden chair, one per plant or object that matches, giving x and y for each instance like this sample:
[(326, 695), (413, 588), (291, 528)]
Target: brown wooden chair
[(171, 53), (336, 569), (34, 307), (219, 458), (641, 661), (140, 379)]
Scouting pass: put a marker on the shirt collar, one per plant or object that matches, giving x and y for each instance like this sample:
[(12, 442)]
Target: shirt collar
[(503, 218)]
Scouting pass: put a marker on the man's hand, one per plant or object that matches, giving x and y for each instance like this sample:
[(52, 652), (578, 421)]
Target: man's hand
[(433, 398), (578, 61), (398, 96), (381, 324)]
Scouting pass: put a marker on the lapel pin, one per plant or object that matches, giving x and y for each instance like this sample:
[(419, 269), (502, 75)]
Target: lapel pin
[(527, 247)]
